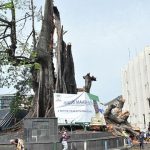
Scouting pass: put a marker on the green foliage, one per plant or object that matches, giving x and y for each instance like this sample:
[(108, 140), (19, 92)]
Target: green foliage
[(15, 73), (15, 103), (20, 102), (37, 66), (33, 54), (24, 83), (6, 5)]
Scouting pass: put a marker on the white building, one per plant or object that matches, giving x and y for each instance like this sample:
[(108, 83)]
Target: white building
[(136, 89)]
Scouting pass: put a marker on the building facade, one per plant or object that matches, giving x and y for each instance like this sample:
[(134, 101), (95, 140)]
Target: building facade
[(136, 89), (5, 100)]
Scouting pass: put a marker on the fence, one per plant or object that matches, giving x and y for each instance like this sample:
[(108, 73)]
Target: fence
[(88, 144)]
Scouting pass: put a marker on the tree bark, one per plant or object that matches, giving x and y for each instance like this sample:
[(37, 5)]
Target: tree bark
[(65, 82), (45, 58), (69, 74), (88, 82), (108, 110), (60, 51), (118, 119)]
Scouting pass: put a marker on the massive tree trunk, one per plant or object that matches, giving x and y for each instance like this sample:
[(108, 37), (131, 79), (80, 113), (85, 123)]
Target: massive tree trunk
[(65, 82), (69, 74), (44, 80), (44, 90), (60, 50), (114, 112), (117, 119)]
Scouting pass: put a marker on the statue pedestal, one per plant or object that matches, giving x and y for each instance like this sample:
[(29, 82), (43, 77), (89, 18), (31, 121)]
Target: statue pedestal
[(40, 130)]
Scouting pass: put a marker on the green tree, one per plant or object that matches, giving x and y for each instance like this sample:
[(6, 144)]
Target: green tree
[(20, 102), (29, 63)]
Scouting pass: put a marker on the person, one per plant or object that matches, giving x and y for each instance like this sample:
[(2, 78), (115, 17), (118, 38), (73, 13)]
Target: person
[(63, 140), (141, 140), (128, 138), (18, 142), (148, 135)]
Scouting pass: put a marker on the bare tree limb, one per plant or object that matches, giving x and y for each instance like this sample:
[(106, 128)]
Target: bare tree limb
[(13, 32), (4, 25), (33, 29), (5, 36), (26, 42), (5, 21), (25, 19), (6, 42), (5, 29), (26, 16)]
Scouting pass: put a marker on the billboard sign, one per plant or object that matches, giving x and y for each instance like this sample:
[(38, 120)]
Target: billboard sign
[(80, 107)]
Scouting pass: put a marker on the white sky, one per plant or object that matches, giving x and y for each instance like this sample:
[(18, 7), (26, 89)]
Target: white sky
[(104, 33)]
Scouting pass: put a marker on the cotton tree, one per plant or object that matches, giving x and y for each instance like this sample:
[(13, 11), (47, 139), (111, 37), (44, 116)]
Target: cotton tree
[(16, 54), (29, 63)]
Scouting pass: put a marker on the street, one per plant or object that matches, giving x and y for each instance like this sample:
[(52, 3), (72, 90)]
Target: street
[(137, 147)]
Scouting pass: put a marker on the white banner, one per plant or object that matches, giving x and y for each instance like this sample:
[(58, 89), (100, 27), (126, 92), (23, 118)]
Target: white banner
[(72, 108)]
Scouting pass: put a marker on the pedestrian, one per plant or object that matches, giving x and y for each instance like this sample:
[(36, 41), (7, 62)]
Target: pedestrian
[(63, 140), (18, 143), (141, 140), (127, 137)]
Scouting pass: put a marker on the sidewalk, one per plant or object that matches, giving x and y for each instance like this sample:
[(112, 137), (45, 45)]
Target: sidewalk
[(121, 148), (137, 147), (134, 147)]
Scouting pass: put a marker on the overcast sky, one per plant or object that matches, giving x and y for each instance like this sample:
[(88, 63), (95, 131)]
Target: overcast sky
[(105, 34)]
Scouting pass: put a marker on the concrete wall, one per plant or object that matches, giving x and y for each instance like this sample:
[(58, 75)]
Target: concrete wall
[(6, 137), (42, 134), (89, 144), (7, 147)]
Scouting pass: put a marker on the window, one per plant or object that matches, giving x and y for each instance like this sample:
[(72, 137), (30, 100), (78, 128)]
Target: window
[(148, 102)]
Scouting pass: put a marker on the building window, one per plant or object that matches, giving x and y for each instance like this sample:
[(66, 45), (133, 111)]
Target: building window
[(148, 102)]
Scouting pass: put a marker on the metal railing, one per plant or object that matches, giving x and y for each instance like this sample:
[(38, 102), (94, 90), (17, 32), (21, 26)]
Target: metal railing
[(88, 144)]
